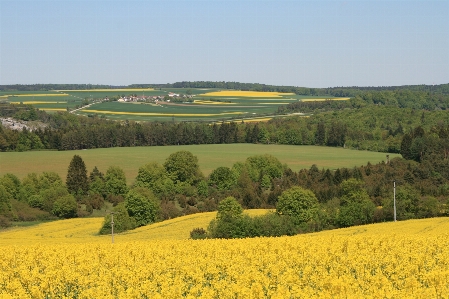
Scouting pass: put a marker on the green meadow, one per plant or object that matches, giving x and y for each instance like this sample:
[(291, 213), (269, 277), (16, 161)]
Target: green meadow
[(209, 156)]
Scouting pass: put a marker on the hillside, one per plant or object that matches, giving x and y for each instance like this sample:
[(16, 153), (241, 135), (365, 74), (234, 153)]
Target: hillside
[(82, 230)]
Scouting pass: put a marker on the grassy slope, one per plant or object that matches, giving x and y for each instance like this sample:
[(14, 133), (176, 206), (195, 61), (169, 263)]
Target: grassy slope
[(82, 230), (209, 156)]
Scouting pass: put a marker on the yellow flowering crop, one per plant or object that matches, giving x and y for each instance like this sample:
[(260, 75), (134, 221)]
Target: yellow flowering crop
[(251, 94), (407, 259), (322, 100)]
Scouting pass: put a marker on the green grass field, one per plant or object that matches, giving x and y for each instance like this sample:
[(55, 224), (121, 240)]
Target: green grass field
[(209, 156)]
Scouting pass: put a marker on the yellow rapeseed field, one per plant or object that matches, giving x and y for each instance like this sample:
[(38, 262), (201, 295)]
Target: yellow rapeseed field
[(53, 109), (407, 259), (251, 94)]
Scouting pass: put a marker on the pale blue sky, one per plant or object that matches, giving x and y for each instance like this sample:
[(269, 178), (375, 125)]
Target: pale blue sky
[(300, 43)]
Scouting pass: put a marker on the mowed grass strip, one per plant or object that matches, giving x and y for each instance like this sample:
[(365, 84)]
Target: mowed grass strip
[(210, 157), (160, 114)]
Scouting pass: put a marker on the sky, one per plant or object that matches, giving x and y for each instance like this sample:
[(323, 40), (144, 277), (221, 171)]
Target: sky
[(295, 43)]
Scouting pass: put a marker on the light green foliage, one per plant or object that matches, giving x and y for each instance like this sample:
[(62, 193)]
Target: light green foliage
[(261, 165), (266, 181), (97, 186), (115, 181), (154, 177), (51, 195), (301, 204), (42, 191), (183, 166), (203, 189), (229, 208), (142, 205), (353, 191), (222, 178), (11, 183), (65, 207)]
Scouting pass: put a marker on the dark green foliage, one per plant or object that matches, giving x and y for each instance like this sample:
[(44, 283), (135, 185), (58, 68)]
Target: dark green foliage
[(274, 225), (122, 221), (5, 202), (198, 234), (65, 207), (77, 181)]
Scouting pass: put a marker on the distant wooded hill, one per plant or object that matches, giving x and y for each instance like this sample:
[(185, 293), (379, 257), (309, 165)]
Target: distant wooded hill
[(334, 91)]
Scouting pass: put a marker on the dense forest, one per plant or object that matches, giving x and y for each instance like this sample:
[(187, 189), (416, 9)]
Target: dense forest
[(372, 127)]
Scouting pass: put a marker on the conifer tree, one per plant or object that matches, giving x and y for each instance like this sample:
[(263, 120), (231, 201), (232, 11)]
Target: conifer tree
[(77, 181)]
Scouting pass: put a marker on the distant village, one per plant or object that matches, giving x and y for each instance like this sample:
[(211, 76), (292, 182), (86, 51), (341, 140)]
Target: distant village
[(155, 99)]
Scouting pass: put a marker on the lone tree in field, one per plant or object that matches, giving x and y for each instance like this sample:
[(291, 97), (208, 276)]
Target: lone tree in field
[(77, 181)]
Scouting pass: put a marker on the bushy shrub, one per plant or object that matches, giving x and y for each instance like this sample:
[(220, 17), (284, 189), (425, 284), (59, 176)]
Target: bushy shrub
[(198, 233)]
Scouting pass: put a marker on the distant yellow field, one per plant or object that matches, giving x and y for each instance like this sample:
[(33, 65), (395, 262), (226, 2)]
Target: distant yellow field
[(160, 114), (212, 102), (94, 90), (251, 94), (53, 109), (253, 120), (407, 259), (322, 100)]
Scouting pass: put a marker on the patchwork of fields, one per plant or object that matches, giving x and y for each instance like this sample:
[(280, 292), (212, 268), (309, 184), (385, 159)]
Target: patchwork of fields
[(207, 104), (210, 156), (65, 259)]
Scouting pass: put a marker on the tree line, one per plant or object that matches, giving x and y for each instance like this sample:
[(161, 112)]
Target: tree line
[(375, 128)]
